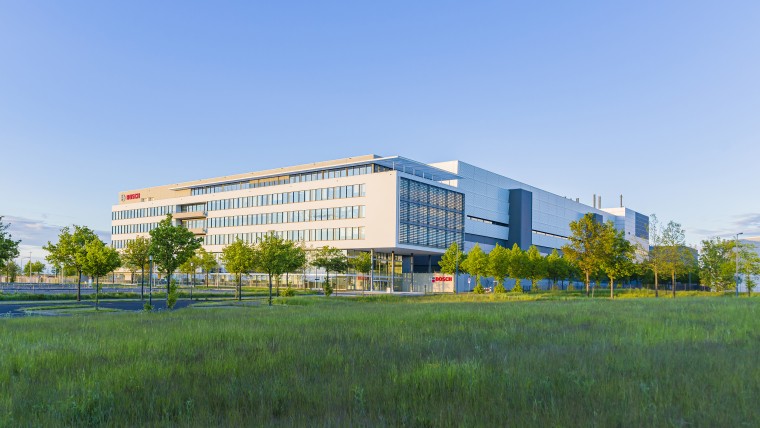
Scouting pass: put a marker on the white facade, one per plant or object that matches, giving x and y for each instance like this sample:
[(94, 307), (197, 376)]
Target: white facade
[(399, 208)]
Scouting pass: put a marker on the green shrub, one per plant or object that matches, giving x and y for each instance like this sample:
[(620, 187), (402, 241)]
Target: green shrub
[(289, 292), (173, 295), (517, 288), (535, 288), (147, 307), (478, 289), (499, 289), (328, 289), (570, 287)]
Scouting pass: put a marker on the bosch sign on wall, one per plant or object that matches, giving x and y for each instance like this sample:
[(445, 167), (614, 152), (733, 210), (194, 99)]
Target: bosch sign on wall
[(130, 197)]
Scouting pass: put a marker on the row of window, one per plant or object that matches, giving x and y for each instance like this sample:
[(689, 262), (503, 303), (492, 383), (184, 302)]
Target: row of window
[(287, 179), (133, 228), (324, 194), (330, 234), (142, 212), (428, 236), (337, 213)]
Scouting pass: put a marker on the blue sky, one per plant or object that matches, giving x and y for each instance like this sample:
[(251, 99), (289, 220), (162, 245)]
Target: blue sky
[(659, 101)]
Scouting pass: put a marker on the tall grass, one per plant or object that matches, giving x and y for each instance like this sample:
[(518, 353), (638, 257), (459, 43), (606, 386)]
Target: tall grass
[(338, 362)]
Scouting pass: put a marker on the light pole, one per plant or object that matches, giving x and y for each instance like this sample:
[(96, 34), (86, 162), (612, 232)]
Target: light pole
[(736, 248), (150, 280)]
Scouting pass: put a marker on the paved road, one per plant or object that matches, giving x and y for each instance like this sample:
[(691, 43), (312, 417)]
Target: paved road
[(14, 309)]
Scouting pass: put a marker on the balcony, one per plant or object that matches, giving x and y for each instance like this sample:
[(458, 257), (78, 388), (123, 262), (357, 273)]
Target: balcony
[(198, 231), (189, 215)]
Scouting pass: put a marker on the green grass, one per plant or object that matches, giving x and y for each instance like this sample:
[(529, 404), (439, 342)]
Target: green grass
[(381, 360)]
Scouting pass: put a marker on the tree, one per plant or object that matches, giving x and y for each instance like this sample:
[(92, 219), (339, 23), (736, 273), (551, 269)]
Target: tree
[(749, 265), (331, 260), (618, 255), (239, 258), (11, 269), (476, 264), (536, 269), (295, 259), (518, 266), (717, 264), (97, 260), (171, 246), (8, 247), (206, 261), (137, 256), (585, 249), (656, 258), (498, 267), (272, 254), (70, 250), (32, 268), (673, 248), (451, 259), (362, 263), (556, 267)]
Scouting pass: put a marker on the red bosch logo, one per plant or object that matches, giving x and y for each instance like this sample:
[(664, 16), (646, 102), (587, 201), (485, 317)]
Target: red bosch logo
[(443, 278), (133, 196)]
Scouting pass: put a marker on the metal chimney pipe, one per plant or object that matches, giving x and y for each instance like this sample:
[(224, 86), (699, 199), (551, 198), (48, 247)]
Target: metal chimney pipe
[(594, 200)]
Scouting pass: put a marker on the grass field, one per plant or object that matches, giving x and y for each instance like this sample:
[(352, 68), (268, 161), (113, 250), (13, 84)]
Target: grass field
[(428, 361)]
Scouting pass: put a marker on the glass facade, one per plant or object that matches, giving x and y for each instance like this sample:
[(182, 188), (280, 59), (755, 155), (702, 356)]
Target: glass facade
[(430, 216), (338, 213), (287, 179), (324, 194), (642, 226)]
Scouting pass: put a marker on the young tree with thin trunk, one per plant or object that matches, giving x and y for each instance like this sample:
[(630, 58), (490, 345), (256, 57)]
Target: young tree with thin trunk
[(536, 269), (70, 250), (362, 263), (171, 246), (97, 260), (656, 255), (585, 249), (136, 256), (556, 267), (673, 246), (330, 259), (451, 262), (498, 267), (617, 261), (295, 260), (476, 264), (518, 266), (239, 258), (272, 254), (206, 261)]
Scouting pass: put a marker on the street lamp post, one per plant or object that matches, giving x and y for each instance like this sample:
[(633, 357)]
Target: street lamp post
[(736, 248), (150, 280)]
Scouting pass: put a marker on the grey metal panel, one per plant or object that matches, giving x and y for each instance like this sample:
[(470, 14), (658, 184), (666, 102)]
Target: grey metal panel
[(520, 218)]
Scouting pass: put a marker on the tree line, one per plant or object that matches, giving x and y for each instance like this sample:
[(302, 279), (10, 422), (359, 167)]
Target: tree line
[(595, 251)]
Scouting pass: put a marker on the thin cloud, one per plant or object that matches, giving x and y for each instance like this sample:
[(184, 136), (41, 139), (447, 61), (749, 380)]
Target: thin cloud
[(36, 233)]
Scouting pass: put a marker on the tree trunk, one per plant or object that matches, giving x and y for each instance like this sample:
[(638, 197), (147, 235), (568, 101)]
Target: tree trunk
[(168, 283), (612, 288), (79, 286), (656, 285), (206, 279), (588, 284), (327, 278), (270, 289), (97, 292), (674, 284), (240, 287)]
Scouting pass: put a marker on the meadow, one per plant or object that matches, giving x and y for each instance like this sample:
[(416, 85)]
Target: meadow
[(390, 361)]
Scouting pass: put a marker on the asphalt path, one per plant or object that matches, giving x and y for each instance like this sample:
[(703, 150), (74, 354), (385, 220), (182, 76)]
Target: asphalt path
[(15, 309)]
